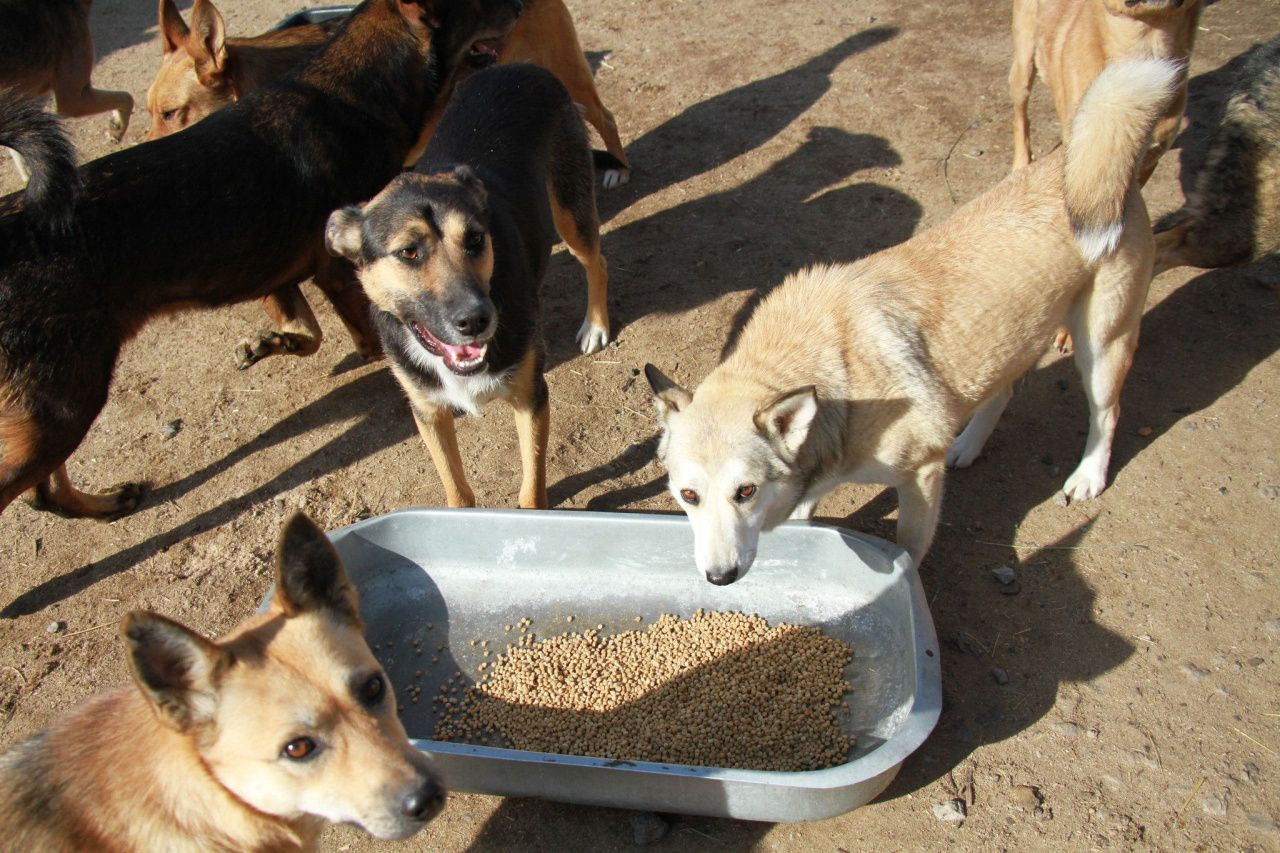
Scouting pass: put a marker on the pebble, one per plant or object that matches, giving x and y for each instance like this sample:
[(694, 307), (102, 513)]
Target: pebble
[(1270, 491), (1194, 672), (171, 429), (1027, 796), (648, 828), (1216, 805), (1067, 730), (1145, 431), (1004, 574), (999, 675), (952, 811), (976, 152), (1272, 625), (55, 627)]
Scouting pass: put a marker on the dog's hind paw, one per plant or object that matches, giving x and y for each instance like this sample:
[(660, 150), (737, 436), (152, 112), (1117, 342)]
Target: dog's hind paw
[(251, 351), (592, 338), (117, 125), (961, 455), (614, 178)]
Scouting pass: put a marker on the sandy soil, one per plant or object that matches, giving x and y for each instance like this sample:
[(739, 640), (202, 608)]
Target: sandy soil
[(1143, 648)]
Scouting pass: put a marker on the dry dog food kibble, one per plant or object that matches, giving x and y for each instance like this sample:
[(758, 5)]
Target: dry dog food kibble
[(719, 689)]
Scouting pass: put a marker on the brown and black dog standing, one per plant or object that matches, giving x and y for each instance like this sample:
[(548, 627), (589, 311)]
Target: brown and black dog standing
[(204, 70), (46, 46), (230, 210), (1070, 41), (251, 742), (453, 254)]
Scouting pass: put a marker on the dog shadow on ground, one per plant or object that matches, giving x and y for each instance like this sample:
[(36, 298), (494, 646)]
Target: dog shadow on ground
[(369, 434), (120, 24), (719, 129)]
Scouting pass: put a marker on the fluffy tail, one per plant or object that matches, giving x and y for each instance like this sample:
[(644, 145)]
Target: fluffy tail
[(39, 139), (1110, 135)]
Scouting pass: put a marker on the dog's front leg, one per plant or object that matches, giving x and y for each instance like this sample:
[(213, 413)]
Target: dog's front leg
[(532, 405), (435, 425), (919, 505)]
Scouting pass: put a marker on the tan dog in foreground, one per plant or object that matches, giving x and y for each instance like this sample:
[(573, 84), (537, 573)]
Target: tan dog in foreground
[(248, 743), (865, 372), (1070, 41)]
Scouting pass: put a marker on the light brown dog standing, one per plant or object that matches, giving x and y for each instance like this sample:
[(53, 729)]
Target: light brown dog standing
[(865, 372), (251, 742), (1069, 42)]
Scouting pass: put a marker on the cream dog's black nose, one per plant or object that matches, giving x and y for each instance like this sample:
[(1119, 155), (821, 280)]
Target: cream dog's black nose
[(424, 803), (724, 578)]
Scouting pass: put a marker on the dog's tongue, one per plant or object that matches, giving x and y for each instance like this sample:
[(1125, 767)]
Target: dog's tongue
[(464, 353)]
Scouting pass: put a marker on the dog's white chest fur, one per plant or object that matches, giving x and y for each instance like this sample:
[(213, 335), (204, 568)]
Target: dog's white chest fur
[(465, 393)]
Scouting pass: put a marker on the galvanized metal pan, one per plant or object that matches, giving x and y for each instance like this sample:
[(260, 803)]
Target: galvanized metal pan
[(431, 581)]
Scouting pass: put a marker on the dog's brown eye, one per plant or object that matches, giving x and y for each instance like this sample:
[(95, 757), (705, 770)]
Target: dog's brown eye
[(474, 242), (746, 492), (408, 253), (169, 115), (371, 691), (689, 496), (299, 748)]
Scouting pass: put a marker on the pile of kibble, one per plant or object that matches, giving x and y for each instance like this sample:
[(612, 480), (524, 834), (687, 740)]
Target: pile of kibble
[(718, 689)]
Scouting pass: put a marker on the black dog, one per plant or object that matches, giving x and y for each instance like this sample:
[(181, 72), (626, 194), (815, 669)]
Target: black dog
[(231, 209), (452, 257)]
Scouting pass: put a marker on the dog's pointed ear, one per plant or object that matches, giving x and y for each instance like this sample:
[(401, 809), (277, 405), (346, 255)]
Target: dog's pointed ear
[(343, 234), (177, 669), (208, 46), (423, 14), (470, 181), (785, 420), (309, 574), (173, 30), (668, 397)]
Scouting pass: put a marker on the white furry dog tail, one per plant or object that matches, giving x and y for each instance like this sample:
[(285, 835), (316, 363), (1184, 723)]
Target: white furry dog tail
[(1110, 135)]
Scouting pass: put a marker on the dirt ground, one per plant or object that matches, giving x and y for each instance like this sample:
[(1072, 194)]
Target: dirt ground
[(1142, 646)]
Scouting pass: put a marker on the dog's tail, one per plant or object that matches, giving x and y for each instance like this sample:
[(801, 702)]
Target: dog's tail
[(38, 138), (1110, 135)]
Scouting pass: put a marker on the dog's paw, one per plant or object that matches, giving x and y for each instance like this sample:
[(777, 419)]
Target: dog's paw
[(614, 178), (117, 124), (127, 497), (962, 454), (592, 338), (1084, 484)]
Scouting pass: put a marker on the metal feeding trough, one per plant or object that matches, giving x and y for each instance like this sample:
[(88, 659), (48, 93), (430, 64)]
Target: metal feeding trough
[(445, 577)]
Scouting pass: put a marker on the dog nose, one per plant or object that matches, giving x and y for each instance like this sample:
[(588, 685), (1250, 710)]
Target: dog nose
[(424, 803), (724, 578), (473, 322)]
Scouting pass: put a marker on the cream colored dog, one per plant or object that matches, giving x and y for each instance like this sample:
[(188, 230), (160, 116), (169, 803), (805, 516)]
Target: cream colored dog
[(1071, 41), (865, 372)]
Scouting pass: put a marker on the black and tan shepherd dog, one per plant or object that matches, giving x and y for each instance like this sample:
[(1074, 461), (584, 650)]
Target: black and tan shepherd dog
[(232, 209), (453, 254)]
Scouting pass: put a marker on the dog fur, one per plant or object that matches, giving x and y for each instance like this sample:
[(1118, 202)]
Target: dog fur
[(865, 372), (453, 255), (1232, 216), (46, 46), (203, 70), (1070, 41), (250, 742), (230, 210)]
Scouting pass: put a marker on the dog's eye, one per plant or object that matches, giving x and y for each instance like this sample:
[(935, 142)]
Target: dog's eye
[(299, 749), (745, 493), (474, 242), (689, 496), (372, 691), (408, 253), (169, 115)]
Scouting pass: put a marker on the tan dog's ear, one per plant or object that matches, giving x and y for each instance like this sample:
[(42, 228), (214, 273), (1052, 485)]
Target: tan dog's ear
[(177, 669), (309, 575), (786, 419), (423, 14), (668, 397), (208, 46), (173, 30), (343, 234)]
